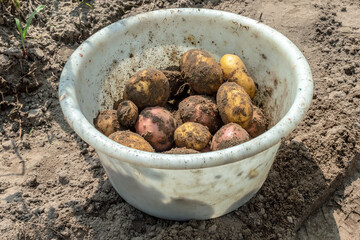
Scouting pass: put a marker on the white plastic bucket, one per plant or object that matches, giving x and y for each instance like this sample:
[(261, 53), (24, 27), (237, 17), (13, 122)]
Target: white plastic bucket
[(196, 186)]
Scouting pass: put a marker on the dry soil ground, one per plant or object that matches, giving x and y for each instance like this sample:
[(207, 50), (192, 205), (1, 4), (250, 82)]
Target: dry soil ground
[(52, 185)]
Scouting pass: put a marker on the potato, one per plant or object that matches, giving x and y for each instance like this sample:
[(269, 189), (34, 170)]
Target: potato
[(200, 109), (130, 139), (181, 151), (234, 104), (258, 124), (234, 70), (206, 149), (157, 126), (229, 135), (147, 88), (201, 71), (176, 83), (192, 135), (177, 117), (106, 122), (127, 113)]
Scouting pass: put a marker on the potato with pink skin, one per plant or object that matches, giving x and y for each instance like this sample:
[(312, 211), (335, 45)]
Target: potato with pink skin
[(157, 126), (229, 135), (258, 124), (200, 109)]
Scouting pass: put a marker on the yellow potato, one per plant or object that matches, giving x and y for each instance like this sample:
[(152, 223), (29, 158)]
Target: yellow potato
[(106, 122), (234, 70), (201, 71), (234, 104), (147, 88), (192, 135), (130, 139)]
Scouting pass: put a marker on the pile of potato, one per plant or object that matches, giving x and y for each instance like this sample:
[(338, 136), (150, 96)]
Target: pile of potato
[(201, 106)]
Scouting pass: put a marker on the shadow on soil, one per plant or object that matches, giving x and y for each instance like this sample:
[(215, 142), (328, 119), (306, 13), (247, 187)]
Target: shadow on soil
[(321, 223), (294, 189)]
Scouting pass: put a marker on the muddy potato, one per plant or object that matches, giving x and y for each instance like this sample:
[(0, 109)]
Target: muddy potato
[(127, 113), (258, 124), (234, 104), (229, 135), (201, 71), (200, 109), (192, 135), (106, 122), (234, 70), (177, 85), (157, 126), (132, 140), (181, 151), (177, 117), (147, 88)]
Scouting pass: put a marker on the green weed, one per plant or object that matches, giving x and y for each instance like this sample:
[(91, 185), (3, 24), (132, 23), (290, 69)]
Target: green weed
[(16, 3), (87, 4), (23, 31)]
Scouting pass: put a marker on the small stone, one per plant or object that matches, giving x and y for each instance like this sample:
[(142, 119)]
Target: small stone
[(35, 116), (289, 219), (26, 144), (173, 232), (63, 180), (84, 151), (52, 214), (213, 228), (137, 238), (65, 232), (16, 52), (202, 226), (337, 94), (107, 186), (48, 116), (39, 53), (3, 59), (193, 223), (188, 229), (7, 144), (31, 181), (38, 210)]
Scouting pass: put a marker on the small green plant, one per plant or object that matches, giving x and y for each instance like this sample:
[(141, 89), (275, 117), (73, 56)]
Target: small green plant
[(14, 2), (23, 31), (87, 4)]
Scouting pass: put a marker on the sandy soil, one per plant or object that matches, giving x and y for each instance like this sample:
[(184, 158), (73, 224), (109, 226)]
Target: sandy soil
[(52, 185)]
